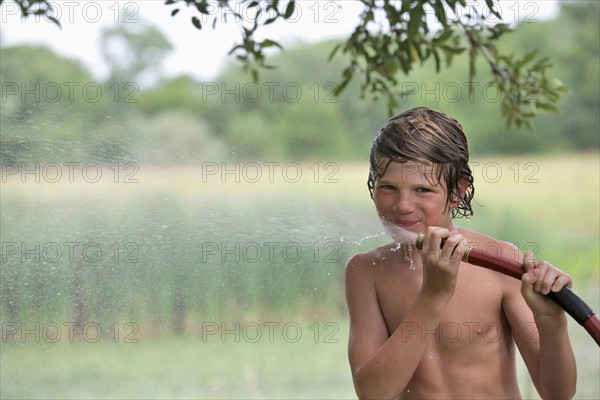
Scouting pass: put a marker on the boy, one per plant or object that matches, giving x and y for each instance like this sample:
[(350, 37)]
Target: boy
[(425, 325)]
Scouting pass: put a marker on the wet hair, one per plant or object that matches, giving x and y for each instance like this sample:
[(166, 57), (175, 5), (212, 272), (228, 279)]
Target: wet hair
[(424, 135)]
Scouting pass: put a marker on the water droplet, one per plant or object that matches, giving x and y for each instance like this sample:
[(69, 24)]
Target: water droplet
[(431, 355), (361, 240), (409, 256)]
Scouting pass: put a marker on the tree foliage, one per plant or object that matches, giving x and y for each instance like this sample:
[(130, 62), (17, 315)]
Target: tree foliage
[(132, 54), (391, 38), (49, 105)]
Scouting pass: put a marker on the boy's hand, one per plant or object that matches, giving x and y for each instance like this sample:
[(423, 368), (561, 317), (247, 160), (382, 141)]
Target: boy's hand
[(539, 279), (440, 263)]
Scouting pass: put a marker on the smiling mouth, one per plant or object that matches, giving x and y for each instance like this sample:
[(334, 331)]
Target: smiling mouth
[(404, 224)]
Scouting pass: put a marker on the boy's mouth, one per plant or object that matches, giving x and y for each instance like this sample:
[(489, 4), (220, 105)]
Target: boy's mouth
[(407, 224), (400, 230)]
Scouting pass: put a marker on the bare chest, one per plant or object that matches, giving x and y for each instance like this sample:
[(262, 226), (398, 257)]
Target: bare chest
[(474, 314)]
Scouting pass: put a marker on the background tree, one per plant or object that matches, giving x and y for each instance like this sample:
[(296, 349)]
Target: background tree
[(133, 53), (391, 37)]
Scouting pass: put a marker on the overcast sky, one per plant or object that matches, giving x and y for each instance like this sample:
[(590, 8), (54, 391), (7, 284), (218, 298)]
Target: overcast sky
[(201, 54)]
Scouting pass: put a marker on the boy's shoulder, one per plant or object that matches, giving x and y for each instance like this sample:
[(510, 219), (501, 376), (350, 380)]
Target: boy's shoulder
[(371, 256), (366, 260), (380, 253), (488, 243), (361, 269)]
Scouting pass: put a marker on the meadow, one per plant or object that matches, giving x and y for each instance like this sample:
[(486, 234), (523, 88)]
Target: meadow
[(224, 280)]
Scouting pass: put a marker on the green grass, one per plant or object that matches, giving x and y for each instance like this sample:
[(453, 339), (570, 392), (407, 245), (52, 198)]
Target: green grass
[(273, 366), (293, 366)]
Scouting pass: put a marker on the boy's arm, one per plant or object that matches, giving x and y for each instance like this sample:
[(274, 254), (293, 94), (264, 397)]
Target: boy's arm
[(540, 330), (382, 365)]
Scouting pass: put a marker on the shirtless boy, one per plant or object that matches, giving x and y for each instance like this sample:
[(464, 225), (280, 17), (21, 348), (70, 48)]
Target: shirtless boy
[(424, 324)]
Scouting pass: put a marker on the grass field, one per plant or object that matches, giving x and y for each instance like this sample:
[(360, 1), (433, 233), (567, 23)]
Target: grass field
[(251, 325)]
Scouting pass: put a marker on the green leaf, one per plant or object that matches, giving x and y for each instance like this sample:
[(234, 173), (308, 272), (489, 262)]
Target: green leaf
[(436, 56), (453, 50), (445, 35), (415, 21), (289, 10), (490, 5), (527, 58), (440, 13), (196, 22), (56, 21), (202, 7), (547, 107), (234, 48), (339, 88), (335, 49), (270, 43)]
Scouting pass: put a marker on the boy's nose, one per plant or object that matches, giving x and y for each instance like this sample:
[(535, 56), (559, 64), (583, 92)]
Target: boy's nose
[(404, 204)]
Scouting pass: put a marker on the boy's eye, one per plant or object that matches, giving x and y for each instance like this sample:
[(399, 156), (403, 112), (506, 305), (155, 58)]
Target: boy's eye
[(387, 187), (423, 190)]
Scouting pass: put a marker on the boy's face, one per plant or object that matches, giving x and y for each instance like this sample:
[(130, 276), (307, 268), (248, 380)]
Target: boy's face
[(409, 196)]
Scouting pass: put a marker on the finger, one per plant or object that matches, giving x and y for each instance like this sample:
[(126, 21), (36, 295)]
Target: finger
[(548, 276), (561, 281), (548, 282), (434, 237), (455, 246), (527, 280), (542, 279), (529, 277), (529, 261)]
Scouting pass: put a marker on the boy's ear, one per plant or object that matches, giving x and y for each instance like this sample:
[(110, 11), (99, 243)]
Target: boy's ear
[(463, 185)]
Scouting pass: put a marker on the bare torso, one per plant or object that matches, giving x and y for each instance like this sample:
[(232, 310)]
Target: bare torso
[(470, 353)]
